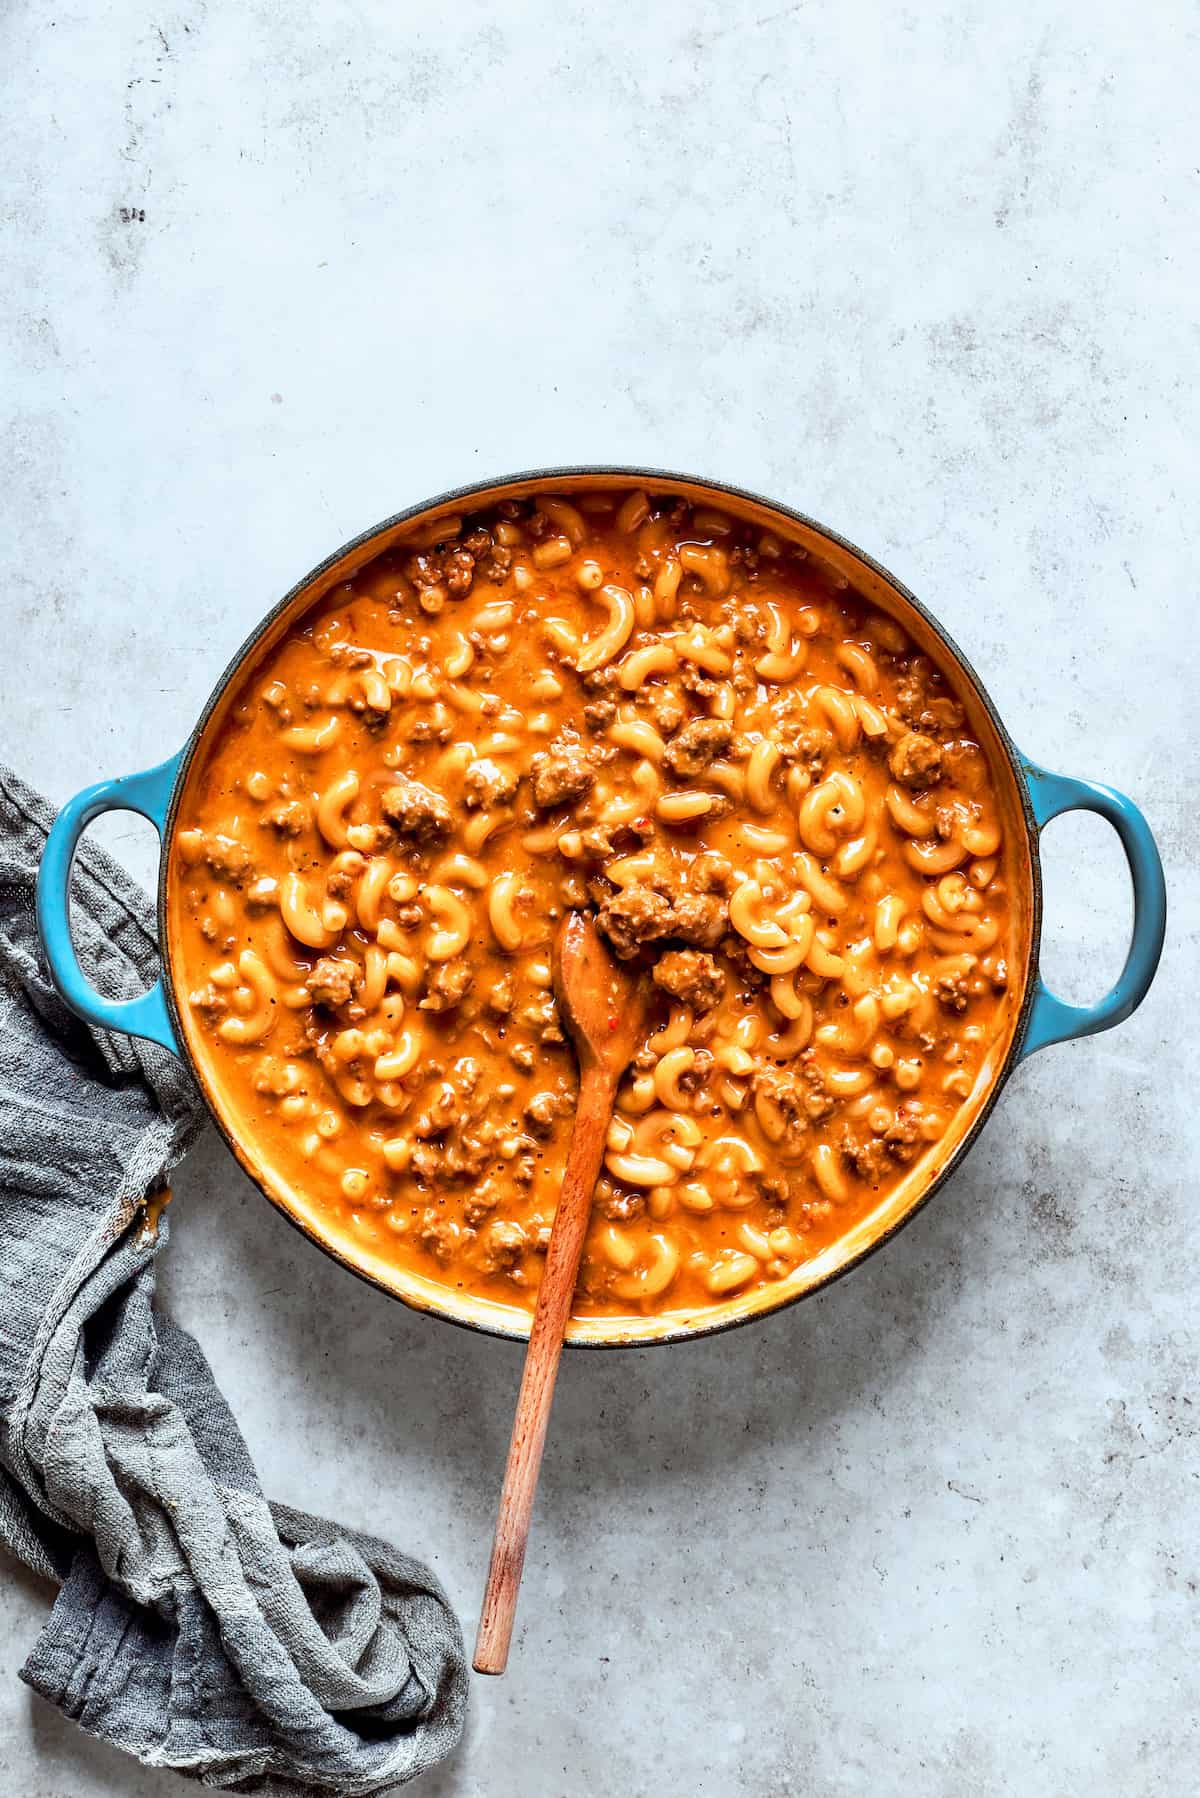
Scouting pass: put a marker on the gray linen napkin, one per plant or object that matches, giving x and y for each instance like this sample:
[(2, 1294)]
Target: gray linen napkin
[(197, 1626)]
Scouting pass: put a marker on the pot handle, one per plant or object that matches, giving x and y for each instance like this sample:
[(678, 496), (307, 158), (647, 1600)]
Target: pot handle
[(1051, 1020), (150, 794)]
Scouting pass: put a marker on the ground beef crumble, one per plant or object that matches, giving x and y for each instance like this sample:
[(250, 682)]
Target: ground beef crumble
[(289, 818), (599, 714), (919, 700), (447, 986), (711, 873), (916, 760), (667, 708), (870, 1159), (542, 1110), (464, 1157), (785, 1091), (339, 882), (487, 784), (417, 812), (642, 914), (372, 839), (617, 1207), (692, 748), (699, 918), (736, 951), (500, 1247), (692, 977), (798, 1092), (700, 684), (635, 916), (777, 1188), (903, 1136), (950, 990), (807, 749), (479, 1204), (226, 856), (330, 982), (502, 997), (561, 773), (436, 1234), (448, 565)]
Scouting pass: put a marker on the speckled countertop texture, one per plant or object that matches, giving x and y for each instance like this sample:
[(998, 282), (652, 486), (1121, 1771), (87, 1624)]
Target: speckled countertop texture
[(273, 272)]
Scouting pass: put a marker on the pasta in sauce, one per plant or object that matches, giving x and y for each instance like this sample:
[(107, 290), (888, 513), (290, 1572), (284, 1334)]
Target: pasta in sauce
[(624, 702)]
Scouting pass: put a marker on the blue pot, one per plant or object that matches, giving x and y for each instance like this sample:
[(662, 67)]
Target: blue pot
[(1037, 795)]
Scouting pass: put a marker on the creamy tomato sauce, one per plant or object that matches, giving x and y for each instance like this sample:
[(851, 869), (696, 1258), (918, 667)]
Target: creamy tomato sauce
[(766, 794)]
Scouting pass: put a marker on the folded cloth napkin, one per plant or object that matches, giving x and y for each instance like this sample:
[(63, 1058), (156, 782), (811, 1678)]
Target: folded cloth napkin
[(197, 1626)]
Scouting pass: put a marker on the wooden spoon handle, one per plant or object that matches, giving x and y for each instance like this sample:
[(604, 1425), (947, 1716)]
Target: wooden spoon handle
[(596, 1091)]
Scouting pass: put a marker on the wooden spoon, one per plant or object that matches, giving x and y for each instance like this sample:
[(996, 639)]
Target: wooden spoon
[(603, 1008)]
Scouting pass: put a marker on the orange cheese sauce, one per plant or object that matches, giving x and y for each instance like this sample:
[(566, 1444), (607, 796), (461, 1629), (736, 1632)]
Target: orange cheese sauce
[(769, 798)]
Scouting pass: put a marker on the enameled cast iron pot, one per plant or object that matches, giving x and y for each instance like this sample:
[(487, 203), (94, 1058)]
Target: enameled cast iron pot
[(1032, 799)]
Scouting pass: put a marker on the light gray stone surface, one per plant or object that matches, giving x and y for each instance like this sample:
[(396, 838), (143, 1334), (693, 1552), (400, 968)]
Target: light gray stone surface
[(932, 279)]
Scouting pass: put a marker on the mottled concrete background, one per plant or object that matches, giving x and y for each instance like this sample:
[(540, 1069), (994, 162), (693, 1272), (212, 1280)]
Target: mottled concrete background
[(272, 272)]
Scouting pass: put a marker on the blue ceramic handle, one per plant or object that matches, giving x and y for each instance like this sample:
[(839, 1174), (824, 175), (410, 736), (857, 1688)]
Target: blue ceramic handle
[(149, 794), (1052, 1021)]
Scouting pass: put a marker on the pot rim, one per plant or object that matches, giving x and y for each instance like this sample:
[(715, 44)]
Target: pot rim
[(546, 477)]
